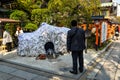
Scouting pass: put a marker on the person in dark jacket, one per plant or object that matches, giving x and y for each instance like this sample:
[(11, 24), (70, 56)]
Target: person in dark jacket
[(76, 44)]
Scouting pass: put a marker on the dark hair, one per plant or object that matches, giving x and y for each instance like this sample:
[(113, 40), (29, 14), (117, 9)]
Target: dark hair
[(73, 23), (49, 45)]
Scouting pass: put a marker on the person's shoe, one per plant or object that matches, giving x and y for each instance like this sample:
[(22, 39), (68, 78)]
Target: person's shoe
[(81, 71), (73, 72)]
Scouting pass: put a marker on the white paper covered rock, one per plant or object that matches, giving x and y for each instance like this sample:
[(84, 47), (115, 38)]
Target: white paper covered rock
[(32, 44)]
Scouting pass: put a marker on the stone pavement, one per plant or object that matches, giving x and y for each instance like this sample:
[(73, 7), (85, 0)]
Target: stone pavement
[(108, 68), (59, 66), (10, 73), (6, 76)]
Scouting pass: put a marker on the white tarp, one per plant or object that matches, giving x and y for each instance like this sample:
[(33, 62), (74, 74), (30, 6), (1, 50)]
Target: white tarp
[(32, 44)]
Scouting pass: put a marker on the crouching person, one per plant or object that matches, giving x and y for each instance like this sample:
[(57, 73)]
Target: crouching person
[(50, 51)]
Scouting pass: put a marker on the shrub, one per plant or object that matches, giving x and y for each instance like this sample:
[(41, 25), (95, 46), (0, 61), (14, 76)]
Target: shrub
[(31, 26), (40, 15)]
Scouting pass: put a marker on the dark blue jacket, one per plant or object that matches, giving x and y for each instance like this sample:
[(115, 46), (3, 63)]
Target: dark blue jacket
[(76, 39)]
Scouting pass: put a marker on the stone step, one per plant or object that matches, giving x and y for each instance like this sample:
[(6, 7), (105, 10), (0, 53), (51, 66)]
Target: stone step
[(6, 55)]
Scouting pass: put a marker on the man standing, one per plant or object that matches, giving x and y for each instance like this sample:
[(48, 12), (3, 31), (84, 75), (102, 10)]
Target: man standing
[(76, 44), (7, 40)]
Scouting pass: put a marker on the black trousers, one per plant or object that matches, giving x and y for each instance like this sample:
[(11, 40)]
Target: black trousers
[(9, 46), (77, 57), (15, 42)]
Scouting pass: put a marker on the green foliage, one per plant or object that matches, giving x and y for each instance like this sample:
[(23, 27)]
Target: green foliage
[(59, 11), (34, 7), (55, 5), (31, 26), (88, 8), (65, 10), (26, 5), (40, 15), (39, 2), (62, 11), (10, 28), (7, 27), (19, 15)]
